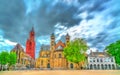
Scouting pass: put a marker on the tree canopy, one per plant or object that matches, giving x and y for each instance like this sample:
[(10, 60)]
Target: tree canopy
[(4, 57), (8, 58), (75, 50), (114, 50), (13, 58)]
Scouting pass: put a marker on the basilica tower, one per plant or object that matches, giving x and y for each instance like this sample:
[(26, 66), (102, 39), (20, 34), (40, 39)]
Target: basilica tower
[(30, 44), (67, 39)]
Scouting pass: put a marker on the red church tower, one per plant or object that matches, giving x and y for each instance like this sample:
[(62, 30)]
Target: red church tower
[(30, 44)]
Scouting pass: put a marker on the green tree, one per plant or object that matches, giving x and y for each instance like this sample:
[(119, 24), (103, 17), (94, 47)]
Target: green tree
[(75, 51), (13, 59), (4, 58), (114, 50)]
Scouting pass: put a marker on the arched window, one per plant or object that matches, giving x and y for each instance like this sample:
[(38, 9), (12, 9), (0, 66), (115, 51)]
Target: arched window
[(102, 66), (98, 66), (113, 66), (109, 66), (95, 66), (105, 66), (91, 67), (48, 65)]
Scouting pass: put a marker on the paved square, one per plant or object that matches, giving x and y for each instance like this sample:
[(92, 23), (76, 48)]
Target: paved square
[(62, 72)]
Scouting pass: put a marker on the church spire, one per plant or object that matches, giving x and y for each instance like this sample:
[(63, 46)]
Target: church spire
[(32, 29)]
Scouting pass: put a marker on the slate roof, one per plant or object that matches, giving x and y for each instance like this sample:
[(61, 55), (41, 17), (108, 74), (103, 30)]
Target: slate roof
[(45, 47), (100, 54), (18, 47)]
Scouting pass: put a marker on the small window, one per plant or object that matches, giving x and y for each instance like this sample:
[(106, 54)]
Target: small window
[(101, 60), (111, 59), (60, 55), (97, 60), (90, 60)]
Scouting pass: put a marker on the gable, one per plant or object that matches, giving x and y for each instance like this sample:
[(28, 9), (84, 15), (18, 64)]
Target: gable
[(59, 45)]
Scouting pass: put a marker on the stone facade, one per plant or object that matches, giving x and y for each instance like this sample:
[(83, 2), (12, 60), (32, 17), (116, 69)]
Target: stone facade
[(23, 59), (52, 56), (100, 60)]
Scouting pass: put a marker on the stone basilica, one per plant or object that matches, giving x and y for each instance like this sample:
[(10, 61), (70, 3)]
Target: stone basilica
[(51, 56)]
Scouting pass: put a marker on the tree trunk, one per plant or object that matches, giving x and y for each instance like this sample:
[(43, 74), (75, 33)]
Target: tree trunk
[(77, 66)]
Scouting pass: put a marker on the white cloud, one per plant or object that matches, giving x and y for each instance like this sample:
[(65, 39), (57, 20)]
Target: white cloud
[(86, 28), (43, 39), (8, 42), (91, 49), (83, 15)]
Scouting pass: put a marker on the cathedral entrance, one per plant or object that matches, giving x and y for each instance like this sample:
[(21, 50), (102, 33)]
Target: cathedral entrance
[(48, 65), (71, 66)]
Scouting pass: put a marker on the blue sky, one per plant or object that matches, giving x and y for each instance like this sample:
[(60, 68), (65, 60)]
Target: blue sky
[(97, 21)]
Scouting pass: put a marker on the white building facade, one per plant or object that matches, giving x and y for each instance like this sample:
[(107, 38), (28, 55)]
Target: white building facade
[(100, 61)]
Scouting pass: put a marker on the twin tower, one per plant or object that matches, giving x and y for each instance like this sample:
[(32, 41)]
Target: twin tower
[(30, 43)]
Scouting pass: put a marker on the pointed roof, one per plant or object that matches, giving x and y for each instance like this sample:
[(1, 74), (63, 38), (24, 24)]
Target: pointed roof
[(52, 34), (32, 29), (59, 44), (18, 47), (67, 35)]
